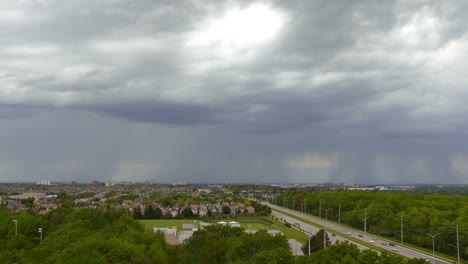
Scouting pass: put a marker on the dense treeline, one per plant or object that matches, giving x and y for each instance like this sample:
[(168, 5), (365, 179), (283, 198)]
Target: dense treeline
[(350, 254), (261, 209), (421, 215), (222, 244), (96, 236), (78, 236)]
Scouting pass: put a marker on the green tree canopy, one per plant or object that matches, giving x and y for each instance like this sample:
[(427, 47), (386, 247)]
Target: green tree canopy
[(316, 242), (187, 213)]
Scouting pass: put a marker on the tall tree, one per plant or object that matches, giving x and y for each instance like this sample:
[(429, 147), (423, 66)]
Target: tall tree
[(149, 212), (316, 242), (226, 210), (187, 213)]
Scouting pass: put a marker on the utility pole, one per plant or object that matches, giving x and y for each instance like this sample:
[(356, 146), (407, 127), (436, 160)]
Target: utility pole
[(458, 247), (16, 226), (40, 232), (293, 204), (401, 229), (339, 214), (325, 229), (324, 241), (433, 247), (320, 208), (305, 207), (365, 220)]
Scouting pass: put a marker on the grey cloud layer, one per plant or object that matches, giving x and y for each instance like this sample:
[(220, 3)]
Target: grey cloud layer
[(346, 91)]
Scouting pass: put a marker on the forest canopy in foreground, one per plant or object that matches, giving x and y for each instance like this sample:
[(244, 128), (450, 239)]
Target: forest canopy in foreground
[(96, 236)]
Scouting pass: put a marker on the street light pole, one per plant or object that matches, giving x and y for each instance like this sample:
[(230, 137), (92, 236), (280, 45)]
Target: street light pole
[(310, 234), (365, 220), (433, 247), (458, 247), (320, 208), (339, 214), (40, 232), (402, 229), (305, 206), (325, 229), (16, 226)]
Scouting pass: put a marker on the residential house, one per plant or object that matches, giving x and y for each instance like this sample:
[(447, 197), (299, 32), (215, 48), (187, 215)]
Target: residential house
[(203, 210), (233, 210), (174, 212), (250, 209), (194, 208), (15, 205)]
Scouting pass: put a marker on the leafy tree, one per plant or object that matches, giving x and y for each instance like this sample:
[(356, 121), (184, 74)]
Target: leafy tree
[(348, 253), (274, 256), (417, 261), (29, 202), (167, 201), (148, 212), (316, 242), (187, 213), (137, 214), (222, 244), (261, 209), (226, 210), (157, 213)]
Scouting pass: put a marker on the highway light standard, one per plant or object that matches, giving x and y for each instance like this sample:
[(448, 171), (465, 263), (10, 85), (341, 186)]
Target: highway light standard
[(40, 232), (310, 234), (16, 227), (456, 248), (365, 220), (325, 229), (433, 247)]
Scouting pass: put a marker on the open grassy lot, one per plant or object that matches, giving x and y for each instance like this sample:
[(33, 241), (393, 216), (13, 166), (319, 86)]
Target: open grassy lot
[(149, 224), (256, 223)]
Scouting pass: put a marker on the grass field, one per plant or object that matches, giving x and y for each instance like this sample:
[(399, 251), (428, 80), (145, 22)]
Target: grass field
[(256, 223)]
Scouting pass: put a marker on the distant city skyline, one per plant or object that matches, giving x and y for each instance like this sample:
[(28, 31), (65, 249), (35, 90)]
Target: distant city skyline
[(302, 91)]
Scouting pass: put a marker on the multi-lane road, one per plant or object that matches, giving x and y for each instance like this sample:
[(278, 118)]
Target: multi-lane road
[(356, 234), (312, 229)]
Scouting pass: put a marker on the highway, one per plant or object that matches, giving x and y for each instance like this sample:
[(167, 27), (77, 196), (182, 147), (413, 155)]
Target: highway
[(312, 229), (365, 237)]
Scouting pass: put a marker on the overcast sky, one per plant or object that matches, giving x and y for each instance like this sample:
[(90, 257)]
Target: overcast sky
[(237, 91)]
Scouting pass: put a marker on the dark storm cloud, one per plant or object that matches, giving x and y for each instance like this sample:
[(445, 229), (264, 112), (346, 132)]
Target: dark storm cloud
[(352, 91), (158, 112)]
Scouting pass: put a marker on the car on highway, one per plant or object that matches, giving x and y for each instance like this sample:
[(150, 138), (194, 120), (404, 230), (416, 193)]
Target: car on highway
[(371, 241), (391, 244), (349, 233), (360, 235), (395, 249)]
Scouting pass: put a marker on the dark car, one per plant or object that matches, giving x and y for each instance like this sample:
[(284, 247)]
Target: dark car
[(391, 244), (360, 235)]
